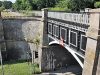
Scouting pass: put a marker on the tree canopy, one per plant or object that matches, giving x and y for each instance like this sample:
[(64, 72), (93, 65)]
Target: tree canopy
[(73, 5), (0, 3), (23, 5), (7, 4), (33, 4), (76, 5)]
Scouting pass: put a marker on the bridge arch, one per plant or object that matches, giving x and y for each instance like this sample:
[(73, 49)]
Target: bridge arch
[(72, 52)]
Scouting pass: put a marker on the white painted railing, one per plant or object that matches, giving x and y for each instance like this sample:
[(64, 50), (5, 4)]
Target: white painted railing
[(82, 18)]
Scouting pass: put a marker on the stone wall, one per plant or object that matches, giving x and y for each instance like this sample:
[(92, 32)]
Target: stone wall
[(2, 41), (92, 54), (19, 35), (56, 57)]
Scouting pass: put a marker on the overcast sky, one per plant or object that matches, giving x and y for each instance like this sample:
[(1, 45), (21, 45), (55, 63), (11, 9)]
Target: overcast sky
[(9, 0)]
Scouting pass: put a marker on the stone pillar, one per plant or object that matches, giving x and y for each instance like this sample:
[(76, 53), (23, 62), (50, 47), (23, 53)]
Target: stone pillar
[(44, 35), (93, 45), (44, 21)]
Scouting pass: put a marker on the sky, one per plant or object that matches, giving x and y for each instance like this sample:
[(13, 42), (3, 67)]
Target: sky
[(9, 0)]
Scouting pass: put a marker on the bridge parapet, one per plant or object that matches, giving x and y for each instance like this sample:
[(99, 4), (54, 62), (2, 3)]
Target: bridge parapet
[(80, 32), (71, 27), (20, 17), (82, 18)]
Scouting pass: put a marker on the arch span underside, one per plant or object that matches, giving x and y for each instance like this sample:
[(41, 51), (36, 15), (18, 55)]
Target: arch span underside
[(71, 51)]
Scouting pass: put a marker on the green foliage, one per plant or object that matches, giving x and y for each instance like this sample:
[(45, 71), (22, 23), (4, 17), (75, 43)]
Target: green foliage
[(76, 5), (97, 4), (34, 4), (59, 9), (62, 5), (46, 3), (37, 40), (23, 5), (19, 68), (0, 3), (7, 4), (2, 8)]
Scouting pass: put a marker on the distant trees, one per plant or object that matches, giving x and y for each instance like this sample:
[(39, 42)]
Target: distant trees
[(0, 3), (73, 5), (34, 4), (23, 5), (46, 3), (7, 4), (76, 5), (97, 4)]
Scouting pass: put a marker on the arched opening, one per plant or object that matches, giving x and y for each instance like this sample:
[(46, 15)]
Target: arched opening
[(62, 60)]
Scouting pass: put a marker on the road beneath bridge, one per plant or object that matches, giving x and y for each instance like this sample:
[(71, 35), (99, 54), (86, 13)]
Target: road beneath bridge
[(71, 70), (60, 62)]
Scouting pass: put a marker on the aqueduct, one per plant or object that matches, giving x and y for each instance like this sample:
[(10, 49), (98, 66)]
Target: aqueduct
[(77, 32)]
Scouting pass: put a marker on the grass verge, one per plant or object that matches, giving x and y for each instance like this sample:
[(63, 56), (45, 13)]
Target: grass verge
[(19, 68)]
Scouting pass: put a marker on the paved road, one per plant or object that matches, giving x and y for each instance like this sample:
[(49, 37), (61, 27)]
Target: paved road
[(72, 70)]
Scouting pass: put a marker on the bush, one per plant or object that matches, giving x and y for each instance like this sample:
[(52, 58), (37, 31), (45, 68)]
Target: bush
[(62, 5), (59, 9), (2, 8), (97, 4)]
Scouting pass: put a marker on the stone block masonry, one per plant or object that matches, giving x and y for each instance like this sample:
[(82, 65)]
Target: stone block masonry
[(18, 35), (92, 54)]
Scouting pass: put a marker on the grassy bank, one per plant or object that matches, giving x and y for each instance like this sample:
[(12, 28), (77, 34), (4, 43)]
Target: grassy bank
[(19, 68)]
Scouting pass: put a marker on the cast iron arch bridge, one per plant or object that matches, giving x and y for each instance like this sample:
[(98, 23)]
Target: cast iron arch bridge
[(72, 28)]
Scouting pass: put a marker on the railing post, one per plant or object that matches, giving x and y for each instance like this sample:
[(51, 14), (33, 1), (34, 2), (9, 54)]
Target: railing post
[(92, 54)]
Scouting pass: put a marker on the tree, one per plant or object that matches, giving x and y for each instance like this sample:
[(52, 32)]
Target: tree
[(46, 3), (0, 3), (23, 5), (7, 4), (76, 5), (63, 4), (33, 4)]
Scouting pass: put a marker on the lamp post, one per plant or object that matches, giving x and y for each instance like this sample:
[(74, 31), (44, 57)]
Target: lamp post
[(1, 62)]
